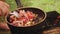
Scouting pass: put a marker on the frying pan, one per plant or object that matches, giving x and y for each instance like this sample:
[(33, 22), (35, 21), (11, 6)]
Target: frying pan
[(33, 29)]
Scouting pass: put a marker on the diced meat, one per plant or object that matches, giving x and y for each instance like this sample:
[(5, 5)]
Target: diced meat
[(24, 18), (30, 15)]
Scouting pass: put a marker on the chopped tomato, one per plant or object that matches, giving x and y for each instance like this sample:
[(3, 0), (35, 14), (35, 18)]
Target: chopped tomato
[(23, 16), (30, 15)]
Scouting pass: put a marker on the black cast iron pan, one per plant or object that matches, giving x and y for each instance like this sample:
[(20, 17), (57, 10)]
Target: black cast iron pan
[(33, 29), (41, 14)]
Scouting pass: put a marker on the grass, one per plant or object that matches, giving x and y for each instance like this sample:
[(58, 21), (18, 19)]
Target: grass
[(12, 4), (45, 5)]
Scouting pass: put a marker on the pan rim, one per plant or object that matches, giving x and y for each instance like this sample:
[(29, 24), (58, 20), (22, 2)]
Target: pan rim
[(45, 15)]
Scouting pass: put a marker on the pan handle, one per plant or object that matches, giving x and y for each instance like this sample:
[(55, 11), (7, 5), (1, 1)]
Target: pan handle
[(18, 2)]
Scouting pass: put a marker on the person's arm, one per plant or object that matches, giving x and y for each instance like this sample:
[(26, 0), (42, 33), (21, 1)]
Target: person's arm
[(4, 26), (4, 10)]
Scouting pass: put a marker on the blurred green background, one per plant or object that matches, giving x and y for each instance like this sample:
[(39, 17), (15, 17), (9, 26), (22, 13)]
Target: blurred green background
[(45, 5)]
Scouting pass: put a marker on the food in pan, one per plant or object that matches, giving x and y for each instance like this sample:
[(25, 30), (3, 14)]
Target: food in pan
[(23, 18)]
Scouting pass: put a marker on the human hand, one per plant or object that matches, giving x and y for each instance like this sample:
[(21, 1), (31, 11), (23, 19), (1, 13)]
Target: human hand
[(4, 26), (4, 8)]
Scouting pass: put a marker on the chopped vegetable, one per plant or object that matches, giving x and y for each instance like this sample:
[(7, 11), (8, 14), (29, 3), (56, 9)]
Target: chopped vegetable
[(25, 18)]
